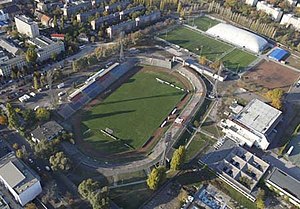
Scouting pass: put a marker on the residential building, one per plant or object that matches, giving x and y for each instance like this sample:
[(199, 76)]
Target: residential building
[(6, 2), (125, 27), (131, 25), (47, 131), (105, 20), (27, 26), (251, 2), (84, 16), (285, 185), (47, 21), (290, 19), (57, 36), (18, 61), (73, 8), (148, 19), (254, 125), (46, 47), (276, 13), (238, 167), (20, 180)]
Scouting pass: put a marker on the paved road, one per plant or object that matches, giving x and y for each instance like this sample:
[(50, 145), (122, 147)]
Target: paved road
[(156, 155)]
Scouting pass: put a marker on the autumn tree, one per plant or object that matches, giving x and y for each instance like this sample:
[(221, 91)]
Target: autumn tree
[(42, 114), (202, 60), (178, 158), (93, 192), (31, 55), (275, 96), (60, 162), (3, 120), (156, 177)]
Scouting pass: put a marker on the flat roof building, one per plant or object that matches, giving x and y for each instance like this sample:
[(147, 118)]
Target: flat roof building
[(285, 185), (238, 167), (47, 131), (21, 181), (253, 125), (27, 26), (46, 47)]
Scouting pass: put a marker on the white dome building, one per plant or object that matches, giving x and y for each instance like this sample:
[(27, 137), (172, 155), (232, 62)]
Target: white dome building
[(238, 37)]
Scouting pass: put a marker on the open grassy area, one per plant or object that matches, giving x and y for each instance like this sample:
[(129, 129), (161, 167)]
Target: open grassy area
[(134, 111), (238, 60), (194, 41), (203, 23), (131, 197), (199, 142)]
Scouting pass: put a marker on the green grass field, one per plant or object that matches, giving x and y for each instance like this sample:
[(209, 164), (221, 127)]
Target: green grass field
[(194, 41), (204, 23), (134, 111), (238, 60)]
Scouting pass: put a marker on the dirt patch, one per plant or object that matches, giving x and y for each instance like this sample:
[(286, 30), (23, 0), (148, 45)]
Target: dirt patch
[(88, 148), (271, 75)]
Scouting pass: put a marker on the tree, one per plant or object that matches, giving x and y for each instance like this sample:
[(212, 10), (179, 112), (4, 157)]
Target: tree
[(16, 146), (31, 55), (31, 206), (42, 114), (60, 162), (178, 158), (156, 177), (44, 149), (12, 117), (202, 60), (54, 56), (179, 7), (55, 21), (3, 120), (260, 204), (19, 153), (93, 39), (275, 96), (92, 191), (36, 82)]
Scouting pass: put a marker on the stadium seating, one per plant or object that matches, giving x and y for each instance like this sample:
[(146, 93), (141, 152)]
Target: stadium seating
[(93, 90), (77, 97)]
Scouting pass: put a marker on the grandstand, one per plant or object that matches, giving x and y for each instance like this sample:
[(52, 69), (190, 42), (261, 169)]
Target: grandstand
[(93, 86)]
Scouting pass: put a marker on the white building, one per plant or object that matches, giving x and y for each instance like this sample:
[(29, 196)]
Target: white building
[(276, 13), (254, 125), (251, 2), (238, 37), (290, 19), (46, 47), (27, 26), (21, 182)]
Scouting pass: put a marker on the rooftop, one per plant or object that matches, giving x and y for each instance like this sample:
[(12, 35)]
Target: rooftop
[(285, 181), (16, 174), (258, 116), (47, 130), (25, 19)]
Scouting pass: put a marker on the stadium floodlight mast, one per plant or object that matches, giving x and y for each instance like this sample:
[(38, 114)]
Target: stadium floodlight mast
[(121, 46)]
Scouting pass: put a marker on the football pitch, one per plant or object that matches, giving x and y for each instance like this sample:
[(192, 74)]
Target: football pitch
[(196, 42), (203, 23), (234, 59), (238, 60), (134, 112)]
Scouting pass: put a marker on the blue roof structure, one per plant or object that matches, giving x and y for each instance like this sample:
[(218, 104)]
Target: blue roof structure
[(278, 54)]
